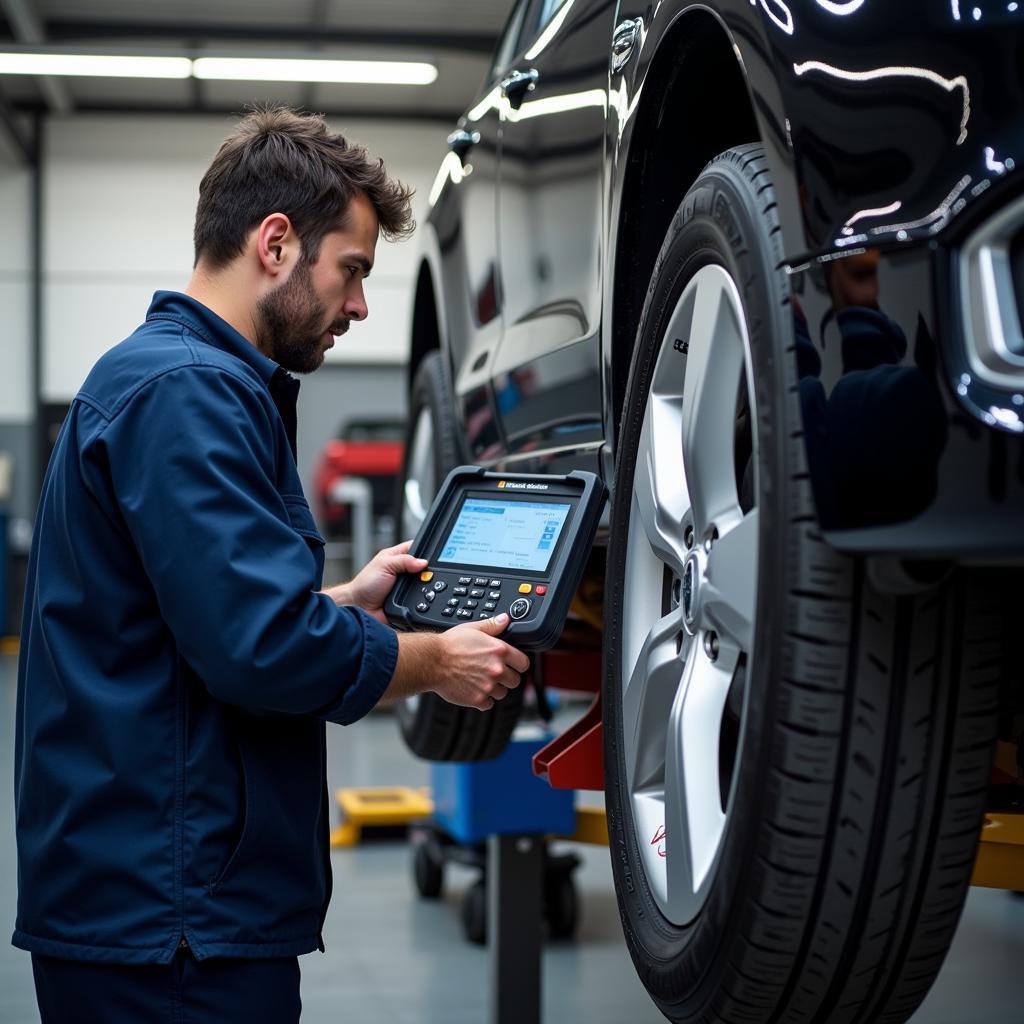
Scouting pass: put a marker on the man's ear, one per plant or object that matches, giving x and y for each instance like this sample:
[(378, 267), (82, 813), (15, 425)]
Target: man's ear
[(277, 245)]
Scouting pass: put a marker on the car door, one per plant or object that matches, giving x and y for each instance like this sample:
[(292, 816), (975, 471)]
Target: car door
[(546, 376), (464, 215)]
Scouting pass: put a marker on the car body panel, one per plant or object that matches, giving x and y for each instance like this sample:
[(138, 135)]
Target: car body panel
[(890, 130), (547, 373)]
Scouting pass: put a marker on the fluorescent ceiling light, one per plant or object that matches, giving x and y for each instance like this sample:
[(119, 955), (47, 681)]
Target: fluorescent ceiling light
[(94, 65), (236, 69), (275, 69)]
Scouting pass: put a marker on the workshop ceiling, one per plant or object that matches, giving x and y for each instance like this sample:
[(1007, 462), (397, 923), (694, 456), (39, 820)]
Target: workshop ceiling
[(457, 36)]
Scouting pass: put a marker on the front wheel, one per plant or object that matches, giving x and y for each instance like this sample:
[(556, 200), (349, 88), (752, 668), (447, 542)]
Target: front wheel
[(796, 764)]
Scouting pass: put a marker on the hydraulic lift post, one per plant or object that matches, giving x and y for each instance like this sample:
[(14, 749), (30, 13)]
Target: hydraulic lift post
[(515, 881)]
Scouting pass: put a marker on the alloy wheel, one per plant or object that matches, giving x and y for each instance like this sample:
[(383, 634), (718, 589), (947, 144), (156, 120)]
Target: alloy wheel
[(690, 592)]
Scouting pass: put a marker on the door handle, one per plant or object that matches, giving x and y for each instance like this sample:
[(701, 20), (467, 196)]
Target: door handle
[(517, 85), (623, 42), (460, 141)]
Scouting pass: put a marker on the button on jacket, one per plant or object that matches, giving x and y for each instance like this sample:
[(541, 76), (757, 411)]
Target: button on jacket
[(178, 663)]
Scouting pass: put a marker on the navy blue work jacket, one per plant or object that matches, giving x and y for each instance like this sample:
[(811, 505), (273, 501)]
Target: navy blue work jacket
[(178, 663)]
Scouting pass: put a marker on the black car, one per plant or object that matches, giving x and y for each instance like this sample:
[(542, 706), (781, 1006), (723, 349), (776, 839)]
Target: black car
[(761, 265)]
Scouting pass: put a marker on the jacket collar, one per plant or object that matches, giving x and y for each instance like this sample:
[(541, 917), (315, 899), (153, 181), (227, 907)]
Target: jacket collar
[(212, 329), (215, 331)]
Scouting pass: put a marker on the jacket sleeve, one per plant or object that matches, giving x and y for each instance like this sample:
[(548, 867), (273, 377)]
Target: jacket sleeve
[(192, 462)]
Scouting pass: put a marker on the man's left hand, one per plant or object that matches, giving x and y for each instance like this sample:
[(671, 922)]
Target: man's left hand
[(372, 585)]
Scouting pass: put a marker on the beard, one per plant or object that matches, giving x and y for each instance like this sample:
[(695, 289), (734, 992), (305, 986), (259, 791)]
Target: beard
[(291, 322)]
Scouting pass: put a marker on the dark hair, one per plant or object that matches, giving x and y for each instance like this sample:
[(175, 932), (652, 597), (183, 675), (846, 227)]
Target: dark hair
[(279, 160)]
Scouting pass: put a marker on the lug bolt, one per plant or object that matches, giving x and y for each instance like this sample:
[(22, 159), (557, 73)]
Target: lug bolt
[(688, 537), (711, 645), (710, 542)]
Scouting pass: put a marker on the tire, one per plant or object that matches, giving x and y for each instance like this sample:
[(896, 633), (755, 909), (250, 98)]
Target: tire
[(561, 905), (797, 769), (428, 872), (474, 913), (431, 727)]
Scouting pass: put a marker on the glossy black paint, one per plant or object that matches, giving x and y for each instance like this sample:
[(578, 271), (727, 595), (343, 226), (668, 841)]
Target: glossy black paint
[(892, 130)]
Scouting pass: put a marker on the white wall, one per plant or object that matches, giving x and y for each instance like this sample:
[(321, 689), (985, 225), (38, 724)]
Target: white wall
[(17, 403), (119, 202)]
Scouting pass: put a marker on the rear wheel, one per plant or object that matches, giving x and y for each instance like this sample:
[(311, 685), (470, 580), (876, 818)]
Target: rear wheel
[(474, 913), (428, 871), (796, 764), (431, 727)]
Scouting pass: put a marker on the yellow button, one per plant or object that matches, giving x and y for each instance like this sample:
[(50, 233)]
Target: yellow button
[(426, 576), (525, 588)]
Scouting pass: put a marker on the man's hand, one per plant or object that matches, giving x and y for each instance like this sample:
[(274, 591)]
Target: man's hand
[(467, 665), (371, 587)]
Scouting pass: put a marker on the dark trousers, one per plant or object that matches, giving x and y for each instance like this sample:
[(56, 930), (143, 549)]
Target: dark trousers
[(185, 991)]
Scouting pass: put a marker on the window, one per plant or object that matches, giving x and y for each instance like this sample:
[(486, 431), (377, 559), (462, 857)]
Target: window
[(548, 10), (508, 48)]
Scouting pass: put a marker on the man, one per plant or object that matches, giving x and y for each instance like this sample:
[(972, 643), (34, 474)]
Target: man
[(179, 659)]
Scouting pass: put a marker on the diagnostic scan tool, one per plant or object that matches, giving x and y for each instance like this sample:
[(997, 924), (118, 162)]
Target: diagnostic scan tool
[(501, 542)]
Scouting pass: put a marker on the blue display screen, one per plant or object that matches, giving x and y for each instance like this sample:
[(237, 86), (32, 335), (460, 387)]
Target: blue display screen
[(505, 534)]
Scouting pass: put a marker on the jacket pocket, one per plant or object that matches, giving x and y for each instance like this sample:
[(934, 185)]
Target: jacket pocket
[(302, 522), (277, 864), (245, 834)]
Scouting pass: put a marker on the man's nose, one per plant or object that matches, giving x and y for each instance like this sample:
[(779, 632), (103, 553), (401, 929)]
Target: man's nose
[(355, 307)]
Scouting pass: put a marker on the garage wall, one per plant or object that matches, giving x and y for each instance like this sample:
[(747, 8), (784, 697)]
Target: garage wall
[(17, 403), (120, 198), (119, 202)]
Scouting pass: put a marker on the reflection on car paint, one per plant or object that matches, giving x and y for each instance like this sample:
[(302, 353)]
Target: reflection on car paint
[(874, 440)]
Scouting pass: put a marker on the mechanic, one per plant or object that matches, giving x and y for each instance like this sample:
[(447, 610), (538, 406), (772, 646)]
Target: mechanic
[(179, 660)]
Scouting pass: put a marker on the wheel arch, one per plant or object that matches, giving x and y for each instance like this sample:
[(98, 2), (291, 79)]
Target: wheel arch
[(425, 328), (694, 56)]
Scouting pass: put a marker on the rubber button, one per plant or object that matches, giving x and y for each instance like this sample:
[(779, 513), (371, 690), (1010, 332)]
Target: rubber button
[(426, 576), (525, 588), (540, 591)]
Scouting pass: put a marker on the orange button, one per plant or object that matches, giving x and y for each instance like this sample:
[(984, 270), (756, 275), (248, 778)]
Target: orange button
[(525, 588), (426, 576), (541, 591)]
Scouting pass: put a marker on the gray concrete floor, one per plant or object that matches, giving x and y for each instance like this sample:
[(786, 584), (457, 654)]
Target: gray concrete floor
[(393, 959)]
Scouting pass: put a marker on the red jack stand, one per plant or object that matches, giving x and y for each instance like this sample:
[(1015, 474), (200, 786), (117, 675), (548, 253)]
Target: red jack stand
[(574, 760)]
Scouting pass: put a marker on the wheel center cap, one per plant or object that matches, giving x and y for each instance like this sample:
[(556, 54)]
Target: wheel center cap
[(690, 590)]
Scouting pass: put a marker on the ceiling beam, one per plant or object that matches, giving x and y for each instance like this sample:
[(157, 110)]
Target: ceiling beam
[(64, 31), (27, 29), (10, 126)]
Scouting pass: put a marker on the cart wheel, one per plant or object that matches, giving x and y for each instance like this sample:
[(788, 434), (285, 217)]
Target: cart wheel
[(561, 905), (428, 872), (474, 913)]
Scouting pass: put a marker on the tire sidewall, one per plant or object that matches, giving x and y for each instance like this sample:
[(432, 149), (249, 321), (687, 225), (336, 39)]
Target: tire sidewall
[(717, 223)]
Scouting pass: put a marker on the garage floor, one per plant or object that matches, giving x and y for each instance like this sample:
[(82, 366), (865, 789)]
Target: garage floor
[(393, 959)]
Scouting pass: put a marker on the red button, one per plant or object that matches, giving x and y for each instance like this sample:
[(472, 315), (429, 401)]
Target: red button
[(540, 590)]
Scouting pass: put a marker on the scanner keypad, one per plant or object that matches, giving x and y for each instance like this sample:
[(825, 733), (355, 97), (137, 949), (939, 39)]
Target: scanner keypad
[(471, 597)]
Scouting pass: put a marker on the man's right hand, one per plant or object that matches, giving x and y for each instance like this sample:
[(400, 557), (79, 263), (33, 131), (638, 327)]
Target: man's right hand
[(468, 665)]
